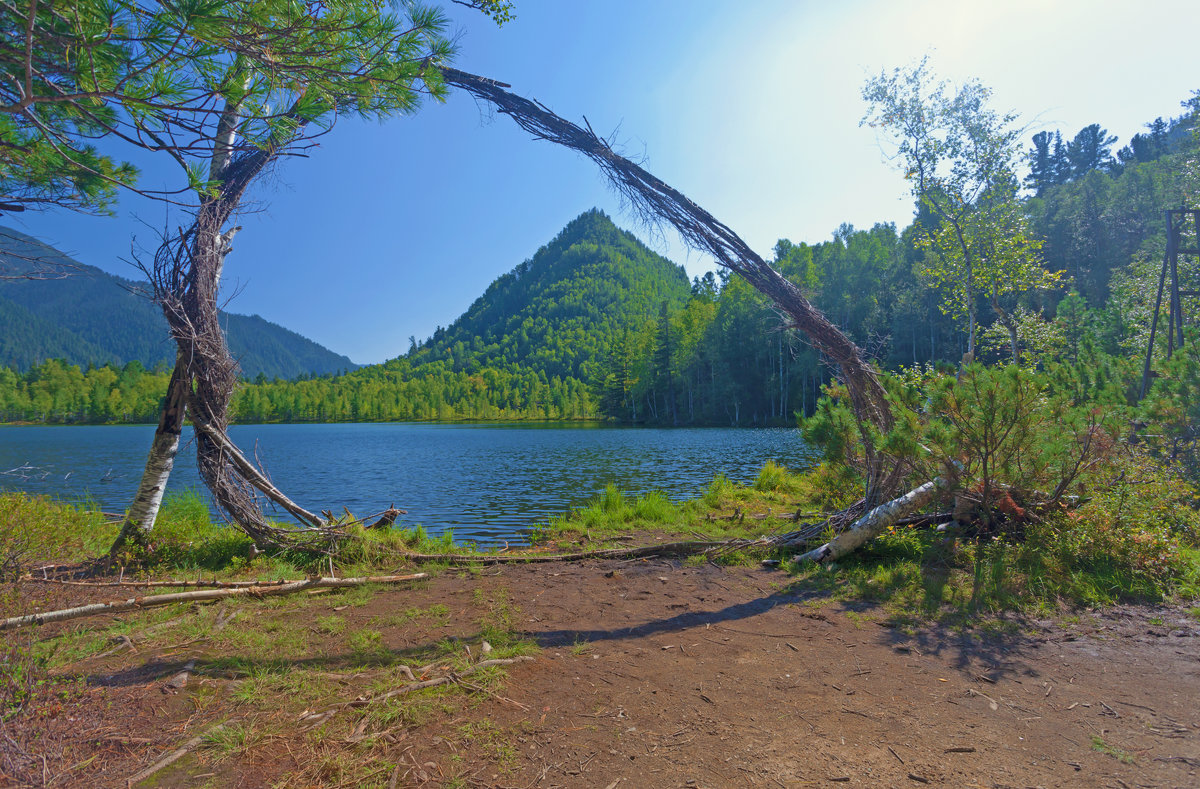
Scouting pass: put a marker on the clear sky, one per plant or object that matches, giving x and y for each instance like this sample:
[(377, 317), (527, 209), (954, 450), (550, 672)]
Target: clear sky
[(751, 108)]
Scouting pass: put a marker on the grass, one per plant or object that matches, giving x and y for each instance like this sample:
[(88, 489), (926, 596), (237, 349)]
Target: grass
[(331, 625), (229, 740), (34, 528), (283, 655), (775, 478), (366, 646), (437, 615), (496, 742), (1123, 756)]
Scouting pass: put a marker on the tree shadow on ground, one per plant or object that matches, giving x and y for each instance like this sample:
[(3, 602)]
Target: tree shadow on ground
[(989, 651)]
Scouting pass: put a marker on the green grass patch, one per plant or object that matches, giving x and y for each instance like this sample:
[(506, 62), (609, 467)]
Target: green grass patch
[(724, 510), (229, 740), (1100, 746), (331, 625), (774, 478), (38, 528), (437, 615), (366, 646)]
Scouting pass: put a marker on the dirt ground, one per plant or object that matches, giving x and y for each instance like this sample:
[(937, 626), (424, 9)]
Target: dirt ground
[(653, 674)]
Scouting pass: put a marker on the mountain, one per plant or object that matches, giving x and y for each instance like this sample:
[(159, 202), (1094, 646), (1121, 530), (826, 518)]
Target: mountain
[(87, 316), (560, 311), (531, 347)]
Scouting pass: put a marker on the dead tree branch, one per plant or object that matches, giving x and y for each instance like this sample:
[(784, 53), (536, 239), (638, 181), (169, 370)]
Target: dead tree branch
[(137, 603)]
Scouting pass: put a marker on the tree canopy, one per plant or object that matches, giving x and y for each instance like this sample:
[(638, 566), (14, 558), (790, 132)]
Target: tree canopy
[(960, 156)]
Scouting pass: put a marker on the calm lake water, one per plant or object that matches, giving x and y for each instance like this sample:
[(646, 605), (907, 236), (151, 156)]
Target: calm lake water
[(487, 483)]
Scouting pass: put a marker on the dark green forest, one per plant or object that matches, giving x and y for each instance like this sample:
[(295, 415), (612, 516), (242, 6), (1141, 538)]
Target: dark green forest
[(85, 316), (597, 325)]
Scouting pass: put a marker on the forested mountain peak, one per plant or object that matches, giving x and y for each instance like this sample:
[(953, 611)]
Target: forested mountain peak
[(558, 312), (72, 311)]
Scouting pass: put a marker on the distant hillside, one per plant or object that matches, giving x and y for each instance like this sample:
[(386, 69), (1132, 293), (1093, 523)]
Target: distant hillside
[(561, 310), (91, 317), (529, 348)]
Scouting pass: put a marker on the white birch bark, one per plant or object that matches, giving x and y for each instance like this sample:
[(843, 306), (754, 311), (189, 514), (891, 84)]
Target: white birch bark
[(875, 522), (144, 510)]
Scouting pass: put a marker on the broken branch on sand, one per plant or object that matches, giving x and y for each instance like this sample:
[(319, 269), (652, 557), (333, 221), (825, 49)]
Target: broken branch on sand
[(314, 719), (290, 587)]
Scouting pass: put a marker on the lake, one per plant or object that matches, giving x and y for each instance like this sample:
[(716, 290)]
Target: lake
[(486, 482)]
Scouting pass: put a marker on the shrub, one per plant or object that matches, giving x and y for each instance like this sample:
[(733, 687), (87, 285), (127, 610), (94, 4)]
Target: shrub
[(773, 477), (1054, 499)]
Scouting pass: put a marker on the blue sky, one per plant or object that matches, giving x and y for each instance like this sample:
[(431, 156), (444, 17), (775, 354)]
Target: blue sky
[(750, 108)]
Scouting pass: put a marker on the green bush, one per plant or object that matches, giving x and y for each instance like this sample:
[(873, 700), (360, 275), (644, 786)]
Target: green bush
[(1052, 499)]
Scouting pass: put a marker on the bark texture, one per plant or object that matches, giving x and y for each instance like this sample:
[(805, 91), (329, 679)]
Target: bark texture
[(186, 278), (160, 461), (875, 522)]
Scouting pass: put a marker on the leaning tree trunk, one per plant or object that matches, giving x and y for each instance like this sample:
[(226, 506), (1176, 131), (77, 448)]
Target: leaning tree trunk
[(658, 202), (186, 277), (144, 510)]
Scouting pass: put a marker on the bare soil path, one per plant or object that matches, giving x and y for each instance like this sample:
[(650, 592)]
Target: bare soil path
[(653, 674)]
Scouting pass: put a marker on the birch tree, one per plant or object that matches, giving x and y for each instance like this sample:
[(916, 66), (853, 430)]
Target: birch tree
[(960, 157), (225, 89)]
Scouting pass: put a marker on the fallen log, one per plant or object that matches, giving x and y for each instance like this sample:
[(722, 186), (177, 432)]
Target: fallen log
[(876, 521), (179, 584), (135, 603)]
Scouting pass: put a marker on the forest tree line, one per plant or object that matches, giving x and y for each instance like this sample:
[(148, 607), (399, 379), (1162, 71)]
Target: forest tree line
[(596, 325)]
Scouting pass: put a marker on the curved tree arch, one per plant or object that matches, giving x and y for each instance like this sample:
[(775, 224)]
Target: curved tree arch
[(657, 202)]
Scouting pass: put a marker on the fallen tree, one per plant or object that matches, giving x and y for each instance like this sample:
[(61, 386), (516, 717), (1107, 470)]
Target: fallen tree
[(876, 522)]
